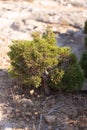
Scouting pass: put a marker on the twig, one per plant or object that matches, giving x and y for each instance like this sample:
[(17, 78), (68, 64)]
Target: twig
[(39, 127), (48, 98), (13, 96), (55, 109)]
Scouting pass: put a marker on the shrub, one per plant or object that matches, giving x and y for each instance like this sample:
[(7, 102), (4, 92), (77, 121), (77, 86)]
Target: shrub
[(73, 78), (70, 77), (41, 62), (85, 27), (30, 60), (86, 41), (83, 63), (55, 77)]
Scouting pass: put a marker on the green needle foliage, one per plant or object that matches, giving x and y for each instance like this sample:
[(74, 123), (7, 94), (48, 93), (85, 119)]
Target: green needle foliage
[(83, 63), (31, 59), (86, 42), (85, 27), (41, 62), (72, 75)]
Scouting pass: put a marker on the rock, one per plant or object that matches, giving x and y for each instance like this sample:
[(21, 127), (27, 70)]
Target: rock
[(28, 114), (32, 92), (34, 127), (15, 26), (27, 102), (50, 101), (50, 119), (8, 126), (69, 5), (74, 40), (79, 35), (19, 20)]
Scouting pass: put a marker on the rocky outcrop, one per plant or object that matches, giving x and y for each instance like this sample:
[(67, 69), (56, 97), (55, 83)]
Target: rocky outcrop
[(73, 2), (19, 19)]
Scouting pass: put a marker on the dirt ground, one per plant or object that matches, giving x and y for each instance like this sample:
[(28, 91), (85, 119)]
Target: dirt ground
[(24, 109)]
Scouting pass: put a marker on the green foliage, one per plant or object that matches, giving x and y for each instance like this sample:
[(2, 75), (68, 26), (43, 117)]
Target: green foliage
[(69, 76), (83, 63), (73, 78), (86, 41), (73, 75), (33, 62), (30, 59), (85, 27), (55, 78)]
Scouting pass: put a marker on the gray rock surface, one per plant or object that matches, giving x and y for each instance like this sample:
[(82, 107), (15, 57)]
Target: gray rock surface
[(74, 40), (50, 119), (19, 19)]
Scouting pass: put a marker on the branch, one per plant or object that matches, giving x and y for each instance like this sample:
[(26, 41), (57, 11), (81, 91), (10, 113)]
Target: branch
[(55, 109), (39, 127)]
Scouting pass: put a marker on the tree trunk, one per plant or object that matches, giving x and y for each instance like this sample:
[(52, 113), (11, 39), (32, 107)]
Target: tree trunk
[(45, 85)]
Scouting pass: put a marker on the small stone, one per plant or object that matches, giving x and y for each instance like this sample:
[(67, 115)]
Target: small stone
[(50, 127), (34, 127), (27, 102), (38, 96), (26, 128), (28, 114), (32, 91), (36, 113), (69, 5), (50, 119), (27, 119)]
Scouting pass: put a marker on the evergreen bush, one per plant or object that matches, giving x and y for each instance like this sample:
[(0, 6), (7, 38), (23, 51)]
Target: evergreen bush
[(41, 62), (85, 27), (30, 60), (86, 41), (83, 63), (71, 77), (55, 78)]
